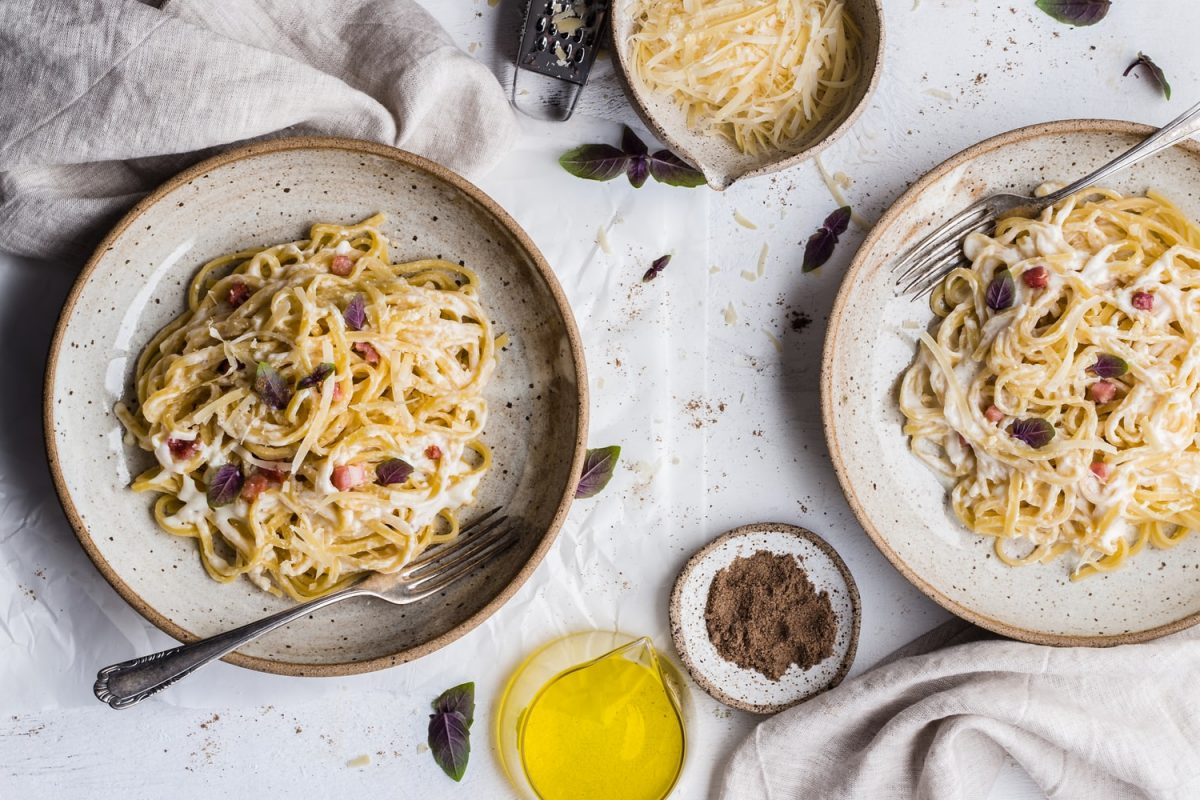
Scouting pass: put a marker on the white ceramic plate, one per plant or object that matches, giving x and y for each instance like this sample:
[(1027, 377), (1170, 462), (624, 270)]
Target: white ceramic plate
[(270, 193), (903, 506), (745, 688)]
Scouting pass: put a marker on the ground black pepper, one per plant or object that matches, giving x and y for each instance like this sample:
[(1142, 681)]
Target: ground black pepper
[(764, 614)]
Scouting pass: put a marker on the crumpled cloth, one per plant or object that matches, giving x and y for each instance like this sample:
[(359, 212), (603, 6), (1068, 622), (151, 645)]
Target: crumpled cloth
[(1085, 723), (101, 100)]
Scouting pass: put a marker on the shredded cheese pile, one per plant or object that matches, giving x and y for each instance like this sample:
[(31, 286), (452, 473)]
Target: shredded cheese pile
[(760, 72)]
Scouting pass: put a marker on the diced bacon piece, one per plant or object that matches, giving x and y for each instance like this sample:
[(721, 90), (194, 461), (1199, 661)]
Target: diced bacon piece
[(341, 265), (367, 351), (1143, 301), (433, 452), (349, 476), (994, 415), (273, 475), (255, 485), (1102, 392), (1101, 470), (1036, 277), (238, 293), (183, 449)]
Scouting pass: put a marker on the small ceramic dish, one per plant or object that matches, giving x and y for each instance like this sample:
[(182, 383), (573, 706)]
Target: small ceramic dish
[(747, 689), (265, 194), (717, 157), (902, 504)]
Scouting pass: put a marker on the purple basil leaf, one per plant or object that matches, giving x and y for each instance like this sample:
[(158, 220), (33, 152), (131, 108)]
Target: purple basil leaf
[(668, 168), (820, 245), (598, 467), (818, 249), (460, 698), (658, 266), (1108, 366), (450, 742), (356, 312), (323, 371), (225, 484), (394, 470), (1076, 12), (837, 222), (638, 171), (1033, 431), (270, 386), (631, 144), (1001, 291), (1155, 71), (594, 162)]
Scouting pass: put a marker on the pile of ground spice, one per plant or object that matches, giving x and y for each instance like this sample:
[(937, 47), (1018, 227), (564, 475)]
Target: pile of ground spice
[(764, 614)]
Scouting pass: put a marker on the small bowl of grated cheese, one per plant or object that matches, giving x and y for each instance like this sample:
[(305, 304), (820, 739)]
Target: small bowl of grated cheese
[(742, 88)]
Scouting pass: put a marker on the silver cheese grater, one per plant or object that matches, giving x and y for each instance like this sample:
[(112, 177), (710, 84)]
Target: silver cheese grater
[(556, 53)]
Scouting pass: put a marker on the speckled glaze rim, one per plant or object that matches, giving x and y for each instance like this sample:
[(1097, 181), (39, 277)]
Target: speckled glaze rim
[(737, 533), (522, 241), (860, 270), (633, 94)]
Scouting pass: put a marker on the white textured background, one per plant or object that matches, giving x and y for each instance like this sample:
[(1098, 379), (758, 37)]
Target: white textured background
[(719, 420)]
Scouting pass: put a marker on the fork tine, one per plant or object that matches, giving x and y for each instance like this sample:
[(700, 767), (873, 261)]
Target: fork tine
[(435, 553), (919, 288), (447, 556), (935, 260), (936, 256), (948, 232), (439, 580), (938, 233)]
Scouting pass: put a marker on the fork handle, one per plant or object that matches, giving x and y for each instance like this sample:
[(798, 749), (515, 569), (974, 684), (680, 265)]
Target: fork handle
[(1185, 126), (130, 682)]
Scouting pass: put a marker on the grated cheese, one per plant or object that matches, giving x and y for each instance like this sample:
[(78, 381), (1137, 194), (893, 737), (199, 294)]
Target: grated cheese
[(762, 260), (730, 314), (602, 240), (740, 219), (759, 72)]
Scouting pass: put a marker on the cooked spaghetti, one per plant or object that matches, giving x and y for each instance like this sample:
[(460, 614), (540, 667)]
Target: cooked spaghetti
[(1059, 389), (316, 411), (759, 72)]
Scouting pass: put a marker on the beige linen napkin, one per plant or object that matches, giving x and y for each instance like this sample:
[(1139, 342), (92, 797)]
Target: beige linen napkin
[(1085, 723), (100, 100)]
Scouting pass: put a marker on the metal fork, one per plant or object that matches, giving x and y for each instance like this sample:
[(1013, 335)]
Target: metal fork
[(128, 683), (932, 258)]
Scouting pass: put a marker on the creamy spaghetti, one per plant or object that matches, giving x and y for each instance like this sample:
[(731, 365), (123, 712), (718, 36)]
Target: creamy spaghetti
[(759, 72), (1060, 388), (316, 412)]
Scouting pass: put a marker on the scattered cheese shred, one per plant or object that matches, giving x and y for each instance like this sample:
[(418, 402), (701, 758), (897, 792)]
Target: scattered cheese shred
[(714, 269), (730, 314), (560, 54), (762, 260), (602, 240), (759, 72), (835, 185), (360, 761), (740, 219), (774, 340), (750, 276), (502, 341)]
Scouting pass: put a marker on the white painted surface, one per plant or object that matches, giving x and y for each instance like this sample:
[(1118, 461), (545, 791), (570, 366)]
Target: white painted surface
[(736, 404)]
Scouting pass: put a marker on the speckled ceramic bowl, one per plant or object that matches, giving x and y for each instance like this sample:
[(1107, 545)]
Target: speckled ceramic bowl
[(872, 340), (718, 158), (265, 194), (745, 688)]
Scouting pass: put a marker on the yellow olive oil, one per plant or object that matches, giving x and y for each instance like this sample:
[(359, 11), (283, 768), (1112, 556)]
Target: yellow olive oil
[(609, 729)]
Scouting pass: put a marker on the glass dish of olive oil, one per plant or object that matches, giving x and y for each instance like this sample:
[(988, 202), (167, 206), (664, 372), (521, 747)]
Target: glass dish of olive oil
[(593, 716)]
